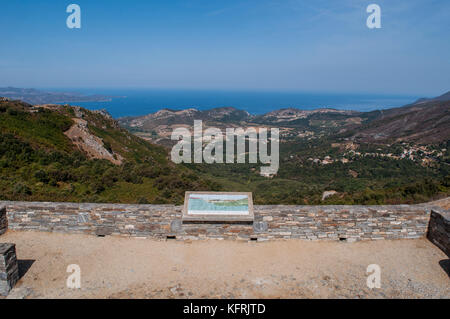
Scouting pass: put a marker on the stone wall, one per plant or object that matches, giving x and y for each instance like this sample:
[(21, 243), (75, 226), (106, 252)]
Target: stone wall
[(9, 269), (350, 223), (3, 220), (439, 230)]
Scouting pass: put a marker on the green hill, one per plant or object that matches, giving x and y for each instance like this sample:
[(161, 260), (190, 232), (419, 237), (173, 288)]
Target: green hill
[(64, 153)]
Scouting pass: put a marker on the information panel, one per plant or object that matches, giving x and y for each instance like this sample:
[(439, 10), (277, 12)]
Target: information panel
[(218, 206)]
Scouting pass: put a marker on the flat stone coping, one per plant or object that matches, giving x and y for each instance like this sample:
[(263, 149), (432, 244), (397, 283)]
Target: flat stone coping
[(125, 207), (5, 247)]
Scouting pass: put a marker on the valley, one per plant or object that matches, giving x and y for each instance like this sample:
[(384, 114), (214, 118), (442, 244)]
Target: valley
[(68, 153), (398, 155)]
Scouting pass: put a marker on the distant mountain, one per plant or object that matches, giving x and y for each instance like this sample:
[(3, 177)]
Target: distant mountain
[(171, 117), (422, 122), (443, 97), (294, 114), (157, 127), (162, 117), (222, 115), (425, 121), (34, 96), (225, 114)]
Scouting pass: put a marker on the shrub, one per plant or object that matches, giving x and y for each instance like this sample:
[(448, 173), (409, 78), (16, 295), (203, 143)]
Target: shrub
[(21, 189), (41, 176)]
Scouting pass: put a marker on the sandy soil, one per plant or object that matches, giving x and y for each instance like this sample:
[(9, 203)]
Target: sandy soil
[(114, 267)]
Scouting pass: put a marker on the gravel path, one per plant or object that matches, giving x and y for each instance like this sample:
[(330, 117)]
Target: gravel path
[(114, 267)]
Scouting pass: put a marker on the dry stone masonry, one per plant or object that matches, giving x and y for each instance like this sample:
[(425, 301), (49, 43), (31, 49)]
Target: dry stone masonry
[(439, 230), (345, 223), (3, 220), (9, 269)]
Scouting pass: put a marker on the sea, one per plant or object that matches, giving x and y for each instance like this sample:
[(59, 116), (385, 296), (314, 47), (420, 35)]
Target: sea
[(136, 102)]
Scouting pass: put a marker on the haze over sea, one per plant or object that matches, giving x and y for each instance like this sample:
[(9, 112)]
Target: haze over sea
[(137, 102)]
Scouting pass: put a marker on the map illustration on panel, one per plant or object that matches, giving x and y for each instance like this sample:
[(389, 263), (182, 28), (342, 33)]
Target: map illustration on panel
[(220, 204)]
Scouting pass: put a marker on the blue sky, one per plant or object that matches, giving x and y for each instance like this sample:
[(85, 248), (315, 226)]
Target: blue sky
[(284, 45)]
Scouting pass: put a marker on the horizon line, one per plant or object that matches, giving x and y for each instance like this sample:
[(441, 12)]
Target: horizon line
[(72, 89)]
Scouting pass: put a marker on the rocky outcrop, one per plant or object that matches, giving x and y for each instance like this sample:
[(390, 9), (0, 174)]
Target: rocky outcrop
[(327, 194), (90, 144)]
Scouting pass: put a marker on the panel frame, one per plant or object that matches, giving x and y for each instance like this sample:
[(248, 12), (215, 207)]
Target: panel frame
[(218, 217)]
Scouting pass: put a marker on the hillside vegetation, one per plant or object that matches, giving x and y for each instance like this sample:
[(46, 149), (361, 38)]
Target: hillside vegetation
[(39, 162), (392, 156), (66, 153)]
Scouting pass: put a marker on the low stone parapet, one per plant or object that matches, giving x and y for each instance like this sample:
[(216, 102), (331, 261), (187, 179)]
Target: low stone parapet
[(344, 223), (439, 229), (3, 220), (9, 268)]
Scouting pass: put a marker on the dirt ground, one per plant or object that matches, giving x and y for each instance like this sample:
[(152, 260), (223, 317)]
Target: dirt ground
[(115, 267)]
